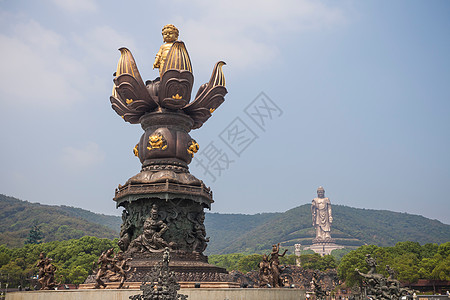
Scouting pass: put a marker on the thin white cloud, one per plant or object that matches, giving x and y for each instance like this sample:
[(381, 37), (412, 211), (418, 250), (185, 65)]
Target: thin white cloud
[(35, 70), (100, 45), (76, 6), (246, 34), (80, 159), (45, 70)]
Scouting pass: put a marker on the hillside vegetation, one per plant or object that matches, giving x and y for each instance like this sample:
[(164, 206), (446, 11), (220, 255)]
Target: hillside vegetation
[(18, 217), (229, 233), (351, 227), (112, 222), (74, 261), (223, 229)]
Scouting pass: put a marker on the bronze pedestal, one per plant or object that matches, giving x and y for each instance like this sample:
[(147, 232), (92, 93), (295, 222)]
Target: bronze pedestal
[(164, 204)]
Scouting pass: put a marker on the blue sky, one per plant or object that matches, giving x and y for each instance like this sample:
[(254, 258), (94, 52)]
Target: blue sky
[(362, 91)]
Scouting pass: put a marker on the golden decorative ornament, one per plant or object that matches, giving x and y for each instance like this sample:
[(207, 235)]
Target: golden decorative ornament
[(193, 148), (135, 150), (157, 141), (177, 97)]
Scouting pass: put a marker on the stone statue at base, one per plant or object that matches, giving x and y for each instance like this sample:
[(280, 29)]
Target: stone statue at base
[(265, 272), (317, 288), (380, 287), (46, 272), (111, 269), (275, 265), (321, 216), (160, 283), (270, 269)]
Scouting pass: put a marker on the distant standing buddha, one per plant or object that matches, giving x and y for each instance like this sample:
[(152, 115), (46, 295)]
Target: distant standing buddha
[(321, 216)]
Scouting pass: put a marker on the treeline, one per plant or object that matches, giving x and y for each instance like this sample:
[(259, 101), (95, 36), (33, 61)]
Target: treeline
[(246, 263), (242, 262), (409, 260), (73, 260)]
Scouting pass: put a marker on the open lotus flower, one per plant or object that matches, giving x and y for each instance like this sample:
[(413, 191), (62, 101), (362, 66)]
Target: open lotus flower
[(131, 98)]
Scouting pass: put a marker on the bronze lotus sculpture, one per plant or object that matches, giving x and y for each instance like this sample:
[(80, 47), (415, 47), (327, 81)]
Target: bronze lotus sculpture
[(164, 204)]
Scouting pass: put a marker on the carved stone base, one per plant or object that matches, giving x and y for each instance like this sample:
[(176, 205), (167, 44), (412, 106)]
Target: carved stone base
[(183, 285), (166, 212), (187, 266), (323, 241), (151, 224), (188, 273), (323, 248)]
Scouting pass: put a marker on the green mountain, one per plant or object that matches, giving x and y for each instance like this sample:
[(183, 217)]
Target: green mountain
[(56, 223), (113, 222), (223, 229), (351, 227), (229, 233)]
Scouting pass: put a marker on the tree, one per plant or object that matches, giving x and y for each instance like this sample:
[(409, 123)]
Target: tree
[(355, 259), (429, 250), (227, 261), (426, 267), (35, 236), (444, 249), (13, 273), (442, 269), (249, 262), (409, 260), (406, 266), (327, 262), (77, 275), (73, 259), (289, 260), (5, 255), (310, 261), (339, 253)]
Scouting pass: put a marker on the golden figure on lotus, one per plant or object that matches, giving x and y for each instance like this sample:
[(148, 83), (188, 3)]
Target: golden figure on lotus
[(132, 98), (170, 34)]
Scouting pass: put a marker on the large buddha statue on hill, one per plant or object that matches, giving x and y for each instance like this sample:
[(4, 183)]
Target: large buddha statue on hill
[(321, 216)]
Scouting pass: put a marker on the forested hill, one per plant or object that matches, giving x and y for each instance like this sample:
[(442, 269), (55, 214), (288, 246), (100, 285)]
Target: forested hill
[(351, 227), (229, 233), (56, 223), (223, 229), (112, 222)]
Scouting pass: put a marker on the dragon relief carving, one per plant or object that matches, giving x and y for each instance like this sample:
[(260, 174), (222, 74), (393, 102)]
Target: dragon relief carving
[(193, 147), (136, 150), (157, 141)]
